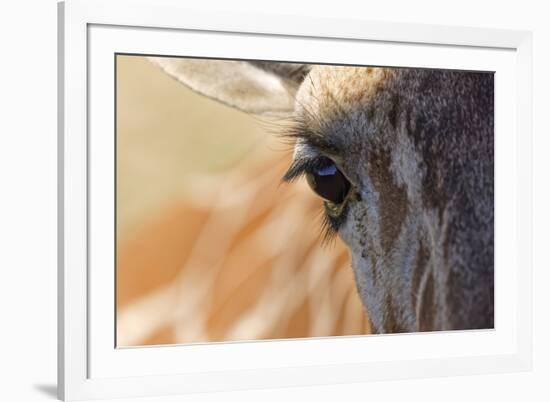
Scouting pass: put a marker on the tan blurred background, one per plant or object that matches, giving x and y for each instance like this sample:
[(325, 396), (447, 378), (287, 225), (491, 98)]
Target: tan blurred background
[(210, 245)]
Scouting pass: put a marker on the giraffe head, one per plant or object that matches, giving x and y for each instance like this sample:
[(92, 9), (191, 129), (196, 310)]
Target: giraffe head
[(403, 159)]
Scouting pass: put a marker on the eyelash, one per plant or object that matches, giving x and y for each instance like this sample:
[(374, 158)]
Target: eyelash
[(329, 224), (300, 167)]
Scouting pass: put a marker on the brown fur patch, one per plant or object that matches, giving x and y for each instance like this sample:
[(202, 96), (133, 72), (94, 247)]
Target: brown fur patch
[(422, 258), (391, 322), (373, 328), (427, 311), (393, 198)]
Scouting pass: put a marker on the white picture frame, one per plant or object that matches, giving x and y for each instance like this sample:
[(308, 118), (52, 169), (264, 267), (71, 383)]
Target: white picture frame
[(90, 367)]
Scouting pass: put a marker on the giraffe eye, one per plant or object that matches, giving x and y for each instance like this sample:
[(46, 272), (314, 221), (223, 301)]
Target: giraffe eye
[(328, 182)]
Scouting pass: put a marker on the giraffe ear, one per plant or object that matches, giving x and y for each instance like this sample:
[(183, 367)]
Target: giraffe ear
[(262, 88)]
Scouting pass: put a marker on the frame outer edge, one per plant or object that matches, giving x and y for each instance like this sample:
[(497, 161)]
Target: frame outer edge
[(73, 353), (73, 18), (60, 201), (178, 14), (525, 198)]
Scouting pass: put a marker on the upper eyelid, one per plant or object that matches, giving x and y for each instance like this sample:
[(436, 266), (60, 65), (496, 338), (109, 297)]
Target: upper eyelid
[(304, 149), (319, 139), (304, 156), (306, 159), (299, 166)]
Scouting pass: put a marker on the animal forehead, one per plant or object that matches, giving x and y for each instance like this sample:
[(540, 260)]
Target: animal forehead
[(333, 103), (333, 88)]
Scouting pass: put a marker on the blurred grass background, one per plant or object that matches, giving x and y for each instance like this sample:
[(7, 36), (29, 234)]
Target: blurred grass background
[(210, 245)]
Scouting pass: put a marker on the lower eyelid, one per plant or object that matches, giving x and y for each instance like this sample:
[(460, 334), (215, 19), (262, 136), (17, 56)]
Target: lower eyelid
[(330, 226)]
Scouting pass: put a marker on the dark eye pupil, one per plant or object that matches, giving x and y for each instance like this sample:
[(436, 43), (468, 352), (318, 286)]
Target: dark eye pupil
[(328, 182)]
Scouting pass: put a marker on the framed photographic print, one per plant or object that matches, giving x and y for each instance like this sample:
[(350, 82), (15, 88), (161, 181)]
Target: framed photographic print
[(261, 201)]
